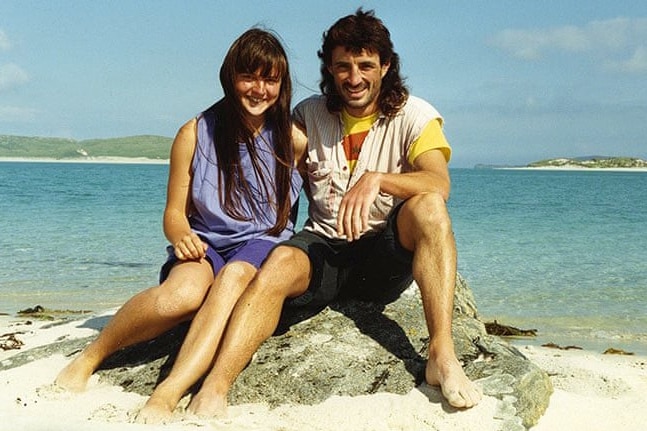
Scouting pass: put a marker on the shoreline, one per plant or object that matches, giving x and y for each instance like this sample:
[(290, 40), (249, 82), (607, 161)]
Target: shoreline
[(592, 392), (146, 160), (100, 159)]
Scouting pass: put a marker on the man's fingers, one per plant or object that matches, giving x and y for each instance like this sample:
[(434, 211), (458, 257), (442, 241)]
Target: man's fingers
[(358, 225), (341, 219), (352, 219)]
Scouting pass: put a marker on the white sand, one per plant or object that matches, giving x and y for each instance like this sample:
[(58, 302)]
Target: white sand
[(100, 159), (592, 392)]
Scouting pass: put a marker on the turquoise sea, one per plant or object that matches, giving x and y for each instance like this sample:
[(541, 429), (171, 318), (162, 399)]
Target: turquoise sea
[(563, 252)]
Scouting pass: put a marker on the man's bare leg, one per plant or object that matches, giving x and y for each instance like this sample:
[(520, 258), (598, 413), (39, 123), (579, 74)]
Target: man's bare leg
[(285, 273), (424, 226), (201, 343), (143, 317)]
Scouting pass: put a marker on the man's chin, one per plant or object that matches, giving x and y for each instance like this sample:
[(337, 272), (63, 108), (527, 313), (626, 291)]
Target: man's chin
[(355, 103)]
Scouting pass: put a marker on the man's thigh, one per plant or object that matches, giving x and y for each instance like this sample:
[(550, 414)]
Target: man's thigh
[(323, 254), (385, 269)]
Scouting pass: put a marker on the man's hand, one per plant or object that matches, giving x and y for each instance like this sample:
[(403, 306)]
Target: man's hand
[(352, 219)]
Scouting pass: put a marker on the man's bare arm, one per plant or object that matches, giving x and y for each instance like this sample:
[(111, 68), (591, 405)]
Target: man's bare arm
[(431, 175)]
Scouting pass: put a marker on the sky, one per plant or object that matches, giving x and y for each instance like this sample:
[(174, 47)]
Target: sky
[(516, 81)]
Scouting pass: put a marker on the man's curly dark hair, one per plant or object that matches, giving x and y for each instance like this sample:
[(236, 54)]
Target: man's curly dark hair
[(363, 31)]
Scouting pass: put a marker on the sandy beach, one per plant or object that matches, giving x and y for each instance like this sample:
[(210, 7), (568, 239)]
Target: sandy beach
[(102, 159), (592, 392)]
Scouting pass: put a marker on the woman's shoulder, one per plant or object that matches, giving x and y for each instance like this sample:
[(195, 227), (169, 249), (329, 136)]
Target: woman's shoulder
[(190, 125), (204, 119), (187, 131), (185, 138)]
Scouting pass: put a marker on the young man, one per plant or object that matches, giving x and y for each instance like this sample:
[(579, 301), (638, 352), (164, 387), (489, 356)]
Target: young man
[(378, 180)]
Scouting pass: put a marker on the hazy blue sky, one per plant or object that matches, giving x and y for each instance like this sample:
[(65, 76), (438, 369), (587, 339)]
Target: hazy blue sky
[(515, 80)]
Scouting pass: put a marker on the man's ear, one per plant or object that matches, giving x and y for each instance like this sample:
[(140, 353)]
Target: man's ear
[(385, 68)]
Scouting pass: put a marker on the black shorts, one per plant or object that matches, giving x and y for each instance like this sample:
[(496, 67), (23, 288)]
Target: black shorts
[(375, 267)]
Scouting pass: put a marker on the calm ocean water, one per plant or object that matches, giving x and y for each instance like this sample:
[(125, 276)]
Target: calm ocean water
[(559, 251)]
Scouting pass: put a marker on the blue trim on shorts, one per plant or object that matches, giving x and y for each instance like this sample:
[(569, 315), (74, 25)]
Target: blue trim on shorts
[(253, 252)]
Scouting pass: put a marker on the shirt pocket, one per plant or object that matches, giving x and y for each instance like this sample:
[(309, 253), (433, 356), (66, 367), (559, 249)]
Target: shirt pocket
[(319, 170), (320, 176), (382, 206)]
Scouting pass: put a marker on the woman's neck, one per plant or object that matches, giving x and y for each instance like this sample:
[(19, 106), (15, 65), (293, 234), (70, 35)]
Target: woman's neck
[(256, 124)]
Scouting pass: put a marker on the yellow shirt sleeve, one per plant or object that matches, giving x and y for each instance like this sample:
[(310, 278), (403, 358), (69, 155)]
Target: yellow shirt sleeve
[(431, 138)]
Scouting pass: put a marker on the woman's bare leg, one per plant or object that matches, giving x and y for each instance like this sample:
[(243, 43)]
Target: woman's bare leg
[(199, 348), (143, 317), (285, 273)]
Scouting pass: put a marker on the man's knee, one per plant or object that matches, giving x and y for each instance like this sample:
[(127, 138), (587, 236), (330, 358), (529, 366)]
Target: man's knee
[(424, 214), (285, 272)]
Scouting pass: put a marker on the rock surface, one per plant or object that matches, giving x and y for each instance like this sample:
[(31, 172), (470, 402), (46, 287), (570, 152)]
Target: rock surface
[(350, 348)]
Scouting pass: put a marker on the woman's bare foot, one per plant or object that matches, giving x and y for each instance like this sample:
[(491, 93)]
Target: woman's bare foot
[(208, 406), (448, 373), (155, 411), (75, 376)]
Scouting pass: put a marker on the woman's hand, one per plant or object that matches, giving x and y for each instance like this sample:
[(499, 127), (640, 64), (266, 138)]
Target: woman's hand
[(190, 247)]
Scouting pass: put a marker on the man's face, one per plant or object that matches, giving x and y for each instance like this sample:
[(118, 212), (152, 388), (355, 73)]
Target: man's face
[(358, 79)]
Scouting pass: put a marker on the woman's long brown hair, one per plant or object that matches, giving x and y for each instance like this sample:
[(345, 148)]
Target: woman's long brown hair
[(254, 50)]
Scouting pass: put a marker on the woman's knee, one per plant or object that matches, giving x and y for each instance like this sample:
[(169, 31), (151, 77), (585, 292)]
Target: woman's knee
[(237, 271), (234, 276), (179, 299)]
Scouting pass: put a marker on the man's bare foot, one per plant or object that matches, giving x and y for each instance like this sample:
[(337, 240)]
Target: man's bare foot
[(459, 391), (204, 406), (74, 377), (155, 411)]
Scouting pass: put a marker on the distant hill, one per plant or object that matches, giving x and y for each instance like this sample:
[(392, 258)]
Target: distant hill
[(592, 162), (149, 146), (598, 162)]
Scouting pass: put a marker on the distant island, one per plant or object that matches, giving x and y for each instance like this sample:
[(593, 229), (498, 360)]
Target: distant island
[(597, 162), (139, 147), (588, 162)]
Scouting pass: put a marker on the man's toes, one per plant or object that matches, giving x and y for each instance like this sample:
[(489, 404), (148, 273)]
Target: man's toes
[(455, 399)]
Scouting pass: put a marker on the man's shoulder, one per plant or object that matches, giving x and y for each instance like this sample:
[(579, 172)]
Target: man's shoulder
[(417, 113), (316, 101), (312, 109), (416, 104)]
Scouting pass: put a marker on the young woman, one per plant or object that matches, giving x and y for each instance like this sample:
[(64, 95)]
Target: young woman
[(232, 195)]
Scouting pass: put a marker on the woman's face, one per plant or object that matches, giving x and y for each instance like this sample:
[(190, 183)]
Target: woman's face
[(257, 94)]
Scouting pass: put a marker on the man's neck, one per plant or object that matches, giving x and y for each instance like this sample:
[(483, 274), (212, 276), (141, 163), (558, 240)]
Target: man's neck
[(358, 115)]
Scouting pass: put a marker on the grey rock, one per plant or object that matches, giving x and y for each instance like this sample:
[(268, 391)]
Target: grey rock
[(349, 348)]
